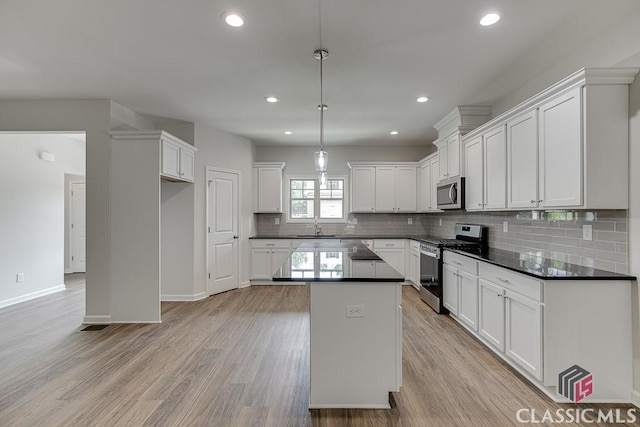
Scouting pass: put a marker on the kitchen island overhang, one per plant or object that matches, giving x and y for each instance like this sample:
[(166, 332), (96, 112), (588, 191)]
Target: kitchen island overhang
[(355, 323)]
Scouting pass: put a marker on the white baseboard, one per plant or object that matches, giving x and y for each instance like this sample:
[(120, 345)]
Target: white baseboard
[(68, 271), (136, 322), (97, 320), (32, 295), (635, 398), (245, 284), (183, 297)]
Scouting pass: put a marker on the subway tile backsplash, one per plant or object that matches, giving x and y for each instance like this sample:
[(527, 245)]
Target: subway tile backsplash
[(541, 233), (554, 235)]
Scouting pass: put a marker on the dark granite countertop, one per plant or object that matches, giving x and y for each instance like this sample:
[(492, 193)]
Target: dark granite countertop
[(329, 262), (542, 268), (339, 236)]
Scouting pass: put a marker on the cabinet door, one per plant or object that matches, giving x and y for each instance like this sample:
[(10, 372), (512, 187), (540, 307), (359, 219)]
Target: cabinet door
[(425, 187), (406, 189), (362, 189), (560, 142), (491, 313), (453, 156), (383, 269), (450, 289), (411, 272), (170, 159), (435, 172), (269, 189), (278, 257), (187, 165), (363, 269), (522, 161), (261, 264), (385, 189), (468, 302), (394, 257), (442, 160), (473, 159), (495, 169), (524, 333)]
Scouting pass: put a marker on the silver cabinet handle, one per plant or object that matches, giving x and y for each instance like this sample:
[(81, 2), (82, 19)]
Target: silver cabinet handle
[(532, 201), (503, 280), (457, 262)]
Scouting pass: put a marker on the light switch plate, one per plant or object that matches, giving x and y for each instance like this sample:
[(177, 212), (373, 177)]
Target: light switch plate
[(409, 221), (277, 221), (587, 232)]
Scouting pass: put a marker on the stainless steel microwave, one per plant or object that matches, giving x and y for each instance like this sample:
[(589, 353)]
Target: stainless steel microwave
[(451, 193)]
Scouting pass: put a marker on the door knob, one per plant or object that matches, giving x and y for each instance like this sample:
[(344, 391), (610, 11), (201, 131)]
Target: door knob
[(235, 237)]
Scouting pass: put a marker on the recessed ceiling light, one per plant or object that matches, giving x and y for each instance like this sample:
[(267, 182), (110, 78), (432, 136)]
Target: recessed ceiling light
[(287, 132), (489, 19), (233, 19), (394, 132), (271, 99), (422, 99)]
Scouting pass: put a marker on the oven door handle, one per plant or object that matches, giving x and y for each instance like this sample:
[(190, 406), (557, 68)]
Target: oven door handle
[(430, 254)]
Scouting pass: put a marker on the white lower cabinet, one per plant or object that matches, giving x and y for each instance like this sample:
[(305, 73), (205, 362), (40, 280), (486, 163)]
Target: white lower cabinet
[(413, 264), (267, 256), (523, 343), (543, 327), (392, 251), (491, 313)]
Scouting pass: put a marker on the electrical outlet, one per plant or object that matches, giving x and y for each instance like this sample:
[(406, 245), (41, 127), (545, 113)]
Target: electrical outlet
[(505, 226), (409, 221), (354, 220), (587, 232), (277, 221), (354, 310), (19, 277)]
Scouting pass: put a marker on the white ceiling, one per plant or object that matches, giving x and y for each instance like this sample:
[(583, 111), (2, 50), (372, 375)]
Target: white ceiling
[(178, 59)]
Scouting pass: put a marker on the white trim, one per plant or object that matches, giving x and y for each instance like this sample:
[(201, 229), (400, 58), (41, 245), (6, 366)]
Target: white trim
[(345, 200), (71, 218), (97, 320), (68, 270), (150, 134), (183, 297), (349, 406), (244, 284), (635, 398), (136, 321), (32, 295)]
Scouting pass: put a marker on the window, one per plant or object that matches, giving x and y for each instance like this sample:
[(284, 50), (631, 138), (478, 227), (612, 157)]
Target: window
[(309, 200)]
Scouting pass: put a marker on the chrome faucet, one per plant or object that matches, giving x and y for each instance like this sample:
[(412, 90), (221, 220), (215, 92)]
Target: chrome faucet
[(318, 229)]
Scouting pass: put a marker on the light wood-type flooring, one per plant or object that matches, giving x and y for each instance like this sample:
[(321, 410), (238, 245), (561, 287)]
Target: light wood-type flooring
[(240, 358)]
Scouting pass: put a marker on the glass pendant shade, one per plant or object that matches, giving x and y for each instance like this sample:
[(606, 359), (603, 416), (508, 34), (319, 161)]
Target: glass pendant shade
[(321, 158), (323, 179)]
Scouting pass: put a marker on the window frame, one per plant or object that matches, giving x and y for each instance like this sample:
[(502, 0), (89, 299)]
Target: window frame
[(316, 199)]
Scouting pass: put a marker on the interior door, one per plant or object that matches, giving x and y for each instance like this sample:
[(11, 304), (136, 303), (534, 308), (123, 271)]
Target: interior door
[(222, 230), (78, 227)]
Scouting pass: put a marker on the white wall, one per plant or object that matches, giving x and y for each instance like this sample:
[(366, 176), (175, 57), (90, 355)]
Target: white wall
[(634, 217), (299, 159), (223, 150), (32, 220), (93, 117)]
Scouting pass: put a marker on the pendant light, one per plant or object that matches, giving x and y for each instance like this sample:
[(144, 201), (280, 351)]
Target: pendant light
[(321, 157)]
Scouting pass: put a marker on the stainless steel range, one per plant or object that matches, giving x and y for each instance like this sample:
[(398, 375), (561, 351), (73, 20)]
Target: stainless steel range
[(469, 237)]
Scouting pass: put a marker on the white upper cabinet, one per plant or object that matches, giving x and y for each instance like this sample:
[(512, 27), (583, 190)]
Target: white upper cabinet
[(566, 147), (485, 165), (429, 173), (449, 157), (363, 184), (560, 150), (384, 187), (474, 193), (267, 187), (522, 160), (495, 169)]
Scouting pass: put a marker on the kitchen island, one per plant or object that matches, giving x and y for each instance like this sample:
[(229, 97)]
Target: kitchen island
[(355, 323)]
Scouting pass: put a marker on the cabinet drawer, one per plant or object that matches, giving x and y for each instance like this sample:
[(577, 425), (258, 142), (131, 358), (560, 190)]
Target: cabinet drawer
[(462, 262), (414, 245), (389, 243), (270, 244), (513, 281)]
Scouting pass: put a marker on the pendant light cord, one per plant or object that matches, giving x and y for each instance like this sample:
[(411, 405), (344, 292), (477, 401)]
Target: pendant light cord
[(321, 86)]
